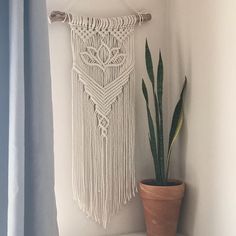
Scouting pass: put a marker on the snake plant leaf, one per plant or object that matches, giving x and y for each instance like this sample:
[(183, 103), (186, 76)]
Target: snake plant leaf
[(177, 122), (154, 155), (152, 136), (145, 93), (157, 93), (151, 129), (149, 64), (159, 114), (152, 140), (160, 156), (160, 76), (177, 115)]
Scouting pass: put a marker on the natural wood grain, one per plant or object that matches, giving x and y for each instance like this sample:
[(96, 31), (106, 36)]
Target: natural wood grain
[(58, 16)]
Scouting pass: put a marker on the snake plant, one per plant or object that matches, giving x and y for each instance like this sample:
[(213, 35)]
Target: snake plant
[(156, 136)]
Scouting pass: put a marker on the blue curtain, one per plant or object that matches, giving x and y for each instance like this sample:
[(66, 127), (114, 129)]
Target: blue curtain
[(4, 112), (27, 201)]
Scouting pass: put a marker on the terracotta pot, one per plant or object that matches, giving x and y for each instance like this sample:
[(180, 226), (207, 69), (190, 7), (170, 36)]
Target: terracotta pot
[(161, 207)]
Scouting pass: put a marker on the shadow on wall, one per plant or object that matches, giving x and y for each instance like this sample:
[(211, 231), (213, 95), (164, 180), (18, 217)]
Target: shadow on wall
[(191, 195), (190, 201)]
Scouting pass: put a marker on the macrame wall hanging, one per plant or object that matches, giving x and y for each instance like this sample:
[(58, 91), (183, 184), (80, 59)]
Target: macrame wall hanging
[(103, 92)]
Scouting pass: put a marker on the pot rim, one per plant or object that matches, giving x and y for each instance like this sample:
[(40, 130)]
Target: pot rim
[(179, 183), (165, 193)]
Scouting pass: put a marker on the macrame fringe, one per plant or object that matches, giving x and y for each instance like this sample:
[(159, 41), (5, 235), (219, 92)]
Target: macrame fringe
[(103, 88)]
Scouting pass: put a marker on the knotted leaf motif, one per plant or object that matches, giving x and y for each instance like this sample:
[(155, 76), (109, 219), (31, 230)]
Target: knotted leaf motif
[(103, 57)]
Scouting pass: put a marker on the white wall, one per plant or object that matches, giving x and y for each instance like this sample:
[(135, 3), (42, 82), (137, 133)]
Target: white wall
[(72, 222), (202, 45)]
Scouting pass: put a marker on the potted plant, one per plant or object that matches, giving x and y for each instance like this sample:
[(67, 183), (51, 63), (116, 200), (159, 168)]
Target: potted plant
[(161, 196)]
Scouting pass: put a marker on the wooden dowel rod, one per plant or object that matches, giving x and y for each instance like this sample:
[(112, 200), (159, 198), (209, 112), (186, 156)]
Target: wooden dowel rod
[(58, 16)]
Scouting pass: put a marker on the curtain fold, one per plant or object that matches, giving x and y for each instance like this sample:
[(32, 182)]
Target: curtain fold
[(27, 126), (4, 112), (16, 120)]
